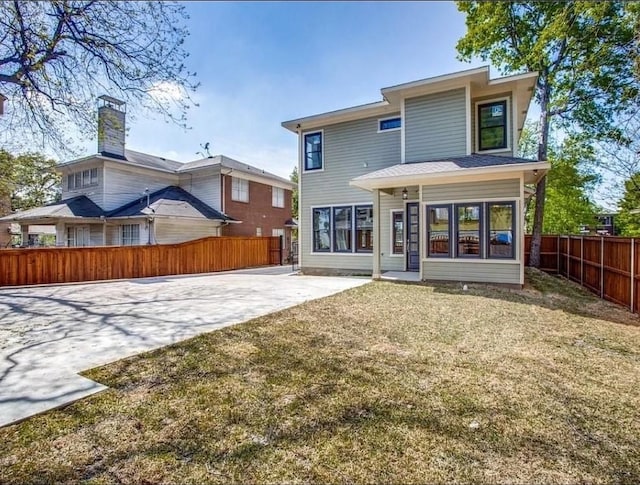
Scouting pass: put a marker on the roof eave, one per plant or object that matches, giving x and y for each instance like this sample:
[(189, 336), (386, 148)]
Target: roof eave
[(413, 179)]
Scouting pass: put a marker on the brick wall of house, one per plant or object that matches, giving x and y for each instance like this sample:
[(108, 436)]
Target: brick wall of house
[(257, 213)]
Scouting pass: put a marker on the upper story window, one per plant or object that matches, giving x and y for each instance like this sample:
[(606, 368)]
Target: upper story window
[(388, 124), (313, 151), (277, 197), (492, 125), (85, 178), (239, 189)]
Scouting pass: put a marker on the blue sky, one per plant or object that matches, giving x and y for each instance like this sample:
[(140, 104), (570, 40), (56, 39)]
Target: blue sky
[(263, 63)]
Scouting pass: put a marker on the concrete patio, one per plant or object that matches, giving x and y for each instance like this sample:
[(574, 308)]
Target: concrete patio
[(48, 334)]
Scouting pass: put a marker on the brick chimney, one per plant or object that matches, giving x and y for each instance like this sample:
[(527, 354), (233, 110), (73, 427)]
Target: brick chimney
[(111, 126)]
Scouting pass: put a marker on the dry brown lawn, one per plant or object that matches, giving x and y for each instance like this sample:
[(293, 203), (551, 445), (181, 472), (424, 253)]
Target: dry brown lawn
[(386, 383)]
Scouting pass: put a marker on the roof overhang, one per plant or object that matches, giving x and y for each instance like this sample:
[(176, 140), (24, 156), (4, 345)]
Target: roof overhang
[(379, 108), (533, 172), (477, 78)]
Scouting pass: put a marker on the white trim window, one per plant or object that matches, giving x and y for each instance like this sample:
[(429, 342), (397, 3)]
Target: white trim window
[(393, 123), (239, 189), (277, 196), (78, 236), (313, 151), (130, 234), (277, 232), (492, 125), (84, 178), (397, 232)]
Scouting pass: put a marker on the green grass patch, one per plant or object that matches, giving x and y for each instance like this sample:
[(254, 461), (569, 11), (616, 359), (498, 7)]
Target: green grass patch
[(383, 383)]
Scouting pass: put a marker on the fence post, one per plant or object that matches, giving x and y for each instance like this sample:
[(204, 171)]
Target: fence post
[(281, 237), (568, 257), (581, 260), (558, 254), (631, 271), (601, 266)]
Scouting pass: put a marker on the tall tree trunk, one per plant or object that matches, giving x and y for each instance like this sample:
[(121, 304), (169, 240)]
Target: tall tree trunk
[(538, 219)]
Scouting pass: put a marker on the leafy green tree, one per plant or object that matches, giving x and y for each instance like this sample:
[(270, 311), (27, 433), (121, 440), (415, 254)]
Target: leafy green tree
[(628, 218), (26, 181), (57, 57), (570, 183), (583, 52)]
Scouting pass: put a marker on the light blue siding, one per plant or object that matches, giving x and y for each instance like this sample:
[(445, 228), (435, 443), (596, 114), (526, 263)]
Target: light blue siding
[(435, 126), (350, 149)]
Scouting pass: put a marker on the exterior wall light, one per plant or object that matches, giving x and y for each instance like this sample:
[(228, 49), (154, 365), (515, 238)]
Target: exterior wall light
[(405, 194)]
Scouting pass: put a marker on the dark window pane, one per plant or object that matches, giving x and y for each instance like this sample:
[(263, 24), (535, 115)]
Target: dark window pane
[(492, 125), (398, 233), (501, 228), (364, 229), (390, 124), (468, 229), (438, 226), (342, 229), (321, 229), (313, 151)]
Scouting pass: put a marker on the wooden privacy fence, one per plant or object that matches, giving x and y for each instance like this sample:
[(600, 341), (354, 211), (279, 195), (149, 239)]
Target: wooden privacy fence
[(607, 266), (65, 265)]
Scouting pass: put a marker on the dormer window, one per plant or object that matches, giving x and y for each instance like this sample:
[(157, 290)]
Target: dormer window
[(492, 125)]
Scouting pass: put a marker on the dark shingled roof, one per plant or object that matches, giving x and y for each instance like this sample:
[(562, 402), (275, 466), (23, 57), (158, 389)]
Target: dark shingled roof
[(80, 206), (449, 164), (171, 201)]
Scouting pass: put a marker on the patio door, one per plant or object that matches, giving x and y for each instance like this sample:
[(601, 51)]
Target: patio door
[(413, 236)]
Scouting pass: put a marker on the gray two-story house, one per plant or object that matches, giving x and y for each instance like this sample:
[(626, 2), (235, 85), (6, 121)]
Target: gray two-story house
[(423, 181)]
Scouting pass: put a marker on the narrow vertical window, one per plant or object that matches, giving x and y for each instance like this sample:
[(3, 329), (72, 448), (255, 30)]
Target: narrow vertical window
[(364, 229), (277, 197), (501, 229), (94, 176), (468, 217), (342, 229), (322, 229), (397, 236), (71, 182), (439, 230), (239, 189), (492, 126), (313, 151)]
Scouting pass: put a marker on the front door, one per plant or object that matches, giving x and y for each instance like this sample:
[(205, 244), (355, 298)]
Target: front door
[(413, 239)]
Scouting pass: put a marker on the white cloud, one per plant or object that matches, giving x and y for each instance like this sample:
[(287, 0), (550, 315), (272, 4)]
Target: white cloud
[(166, 91)]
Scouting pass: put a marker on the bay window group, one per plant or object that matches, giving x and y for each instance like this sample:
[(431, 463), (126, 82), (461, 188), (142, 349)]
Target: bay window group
[(471, 230), (343, 229)]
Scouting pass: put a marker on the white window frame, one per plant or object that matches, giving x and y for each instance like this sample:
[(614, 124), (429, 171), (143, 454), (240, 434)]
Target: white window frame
[(73, 233), (303, 154), (380, 120), (507, 128), (239, 189), (277, 197), (131, 241), (276, 232)]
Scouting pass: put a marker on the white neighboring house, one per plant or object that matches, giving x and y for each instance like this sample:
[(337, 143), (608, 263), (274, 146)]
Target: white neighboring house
[(123, 197), (425, 180)]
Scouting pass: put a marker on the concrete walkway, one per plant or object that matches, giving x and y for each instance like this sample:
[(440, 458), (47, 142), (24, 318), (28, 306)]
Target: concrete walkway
[(48, 334)]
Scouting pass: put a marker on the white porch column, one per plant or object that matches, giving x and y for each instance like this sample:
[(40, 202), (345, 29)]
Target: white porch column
[(24, 230), (61, 239), (376, 235)]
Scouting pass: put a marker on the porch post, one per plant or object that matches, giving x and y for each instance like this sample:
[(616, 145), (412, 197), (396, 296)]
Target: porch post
[(61, 239), (376, 234), (24, 231)]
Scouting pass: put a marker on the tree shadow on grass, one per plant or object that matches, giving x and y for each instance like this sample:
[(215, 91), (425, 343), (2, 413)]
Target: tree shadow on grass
[(547, 291)]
